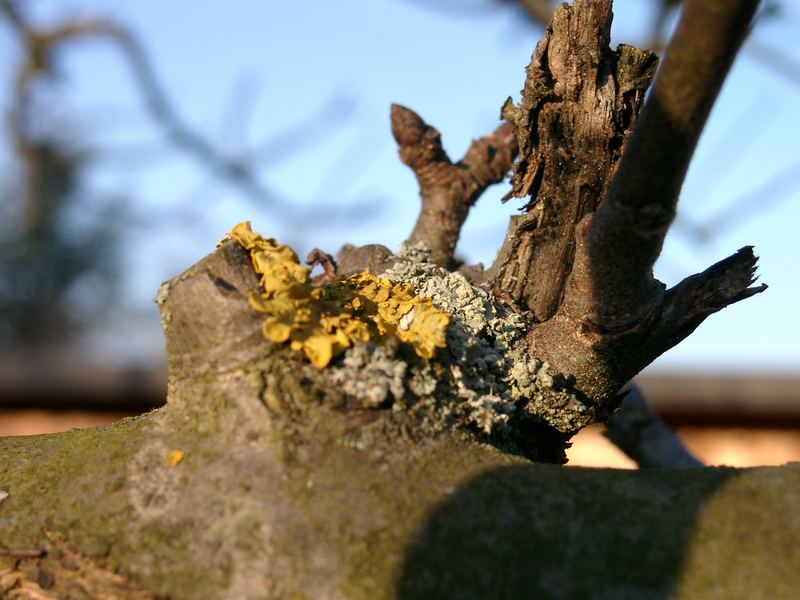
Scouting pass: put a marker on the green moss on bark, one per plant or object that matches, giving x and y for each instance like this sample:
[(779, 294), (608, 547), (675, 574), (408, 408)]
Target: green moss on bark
[(263, 507)]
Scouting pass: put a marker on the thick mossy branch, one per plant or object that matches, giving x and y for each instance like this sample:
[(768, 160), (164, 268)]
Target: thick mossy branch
[(286, 489), (448, 190), (257, 510), (578, 106)]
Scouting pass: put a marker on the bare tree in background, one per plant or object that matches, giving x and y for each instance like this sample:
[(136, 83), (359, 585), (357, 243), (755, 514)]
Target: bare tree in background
[(52, 239), (40, 305), (59, 239)]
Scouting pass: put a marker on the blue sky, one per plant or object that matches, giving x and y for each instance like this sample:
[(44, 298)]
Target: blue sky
[(248, 72)]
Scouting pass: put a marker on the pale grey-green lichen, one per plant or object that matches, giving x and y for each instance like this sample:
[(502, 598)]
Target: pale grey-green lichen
[(485, 375), (371, 373)]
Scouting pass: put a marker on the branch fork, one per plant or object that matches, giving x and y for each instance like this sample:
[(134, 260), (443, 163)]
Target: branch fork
[(600, 175), (448, 189)]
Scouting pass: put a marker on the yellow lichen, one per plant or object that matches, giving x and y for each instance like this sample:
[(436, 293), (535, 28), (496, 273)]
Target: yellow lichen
[(174, 457), (324, 321)]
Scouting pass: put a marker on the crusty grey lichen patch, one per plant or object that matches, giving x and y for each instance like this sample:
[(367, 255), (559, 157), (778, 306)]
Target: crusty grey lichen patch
[(371, 373), (484, 378)]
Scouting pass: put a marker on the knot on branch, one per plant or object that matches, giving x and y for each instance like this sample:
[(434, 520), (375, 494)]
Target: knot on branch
[(448, 190), (419, 143)]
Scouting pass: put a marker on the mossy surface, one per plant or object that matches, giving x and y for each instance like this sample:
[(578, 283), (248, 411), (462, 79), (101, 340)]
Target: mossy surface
[(263, 506), (541, 532), (260, 505)]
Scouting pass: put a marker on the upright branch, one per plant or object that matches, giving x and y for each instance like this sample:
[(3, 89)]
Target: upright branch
[(627, 232), (602, 182), (578, 106), (448, 189)]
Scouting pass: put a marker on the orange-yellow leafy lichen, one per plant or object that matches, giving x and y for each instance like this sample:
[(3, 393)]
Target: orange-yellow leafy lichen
[(174, 457), (324, 321)]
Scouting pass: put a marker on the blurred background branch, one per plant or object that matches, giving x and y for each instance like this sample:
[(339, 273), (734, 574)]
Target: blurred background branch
[(53, 245)]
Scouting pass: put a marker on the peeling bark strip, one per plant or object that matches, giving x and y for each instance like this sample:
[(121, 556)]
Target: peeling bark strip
[(448, 190), (578, 107)]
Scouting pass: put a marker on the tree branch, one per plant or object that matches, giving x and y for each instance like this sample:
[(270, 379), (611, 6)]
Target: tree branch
[(578, 107), (448, 189), (689, 303), (40, 46), (615, 317), (640, 434), (178, 132), (626, 234)]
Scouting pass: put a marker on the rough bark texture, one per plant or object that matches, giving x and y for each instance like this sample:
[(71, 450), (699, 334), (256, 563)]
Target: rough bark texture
[(580, 259), (578, 106), (284, 489)]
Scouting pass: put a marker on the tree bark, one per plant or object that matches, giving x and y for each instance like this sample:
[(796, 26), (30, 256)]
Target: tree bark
[(448, 190), (578, 107), (258, 480), (603, 183)]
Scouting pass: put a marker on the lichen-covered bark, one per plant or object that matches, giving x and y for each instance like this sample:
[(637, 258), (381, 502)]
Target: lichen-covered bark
[(288, 488)]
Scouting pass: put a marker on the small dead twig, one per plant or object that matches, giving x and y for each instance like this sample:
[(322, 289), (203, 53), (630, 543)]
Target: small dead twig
[(41, 46), (318, 257), (22, 552)]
